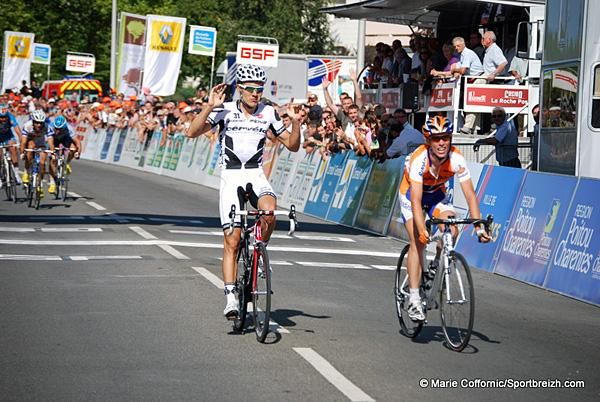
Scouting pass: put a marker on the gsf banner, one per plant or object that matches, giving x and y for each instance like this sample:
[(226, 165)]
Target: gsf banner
[(575, 265)]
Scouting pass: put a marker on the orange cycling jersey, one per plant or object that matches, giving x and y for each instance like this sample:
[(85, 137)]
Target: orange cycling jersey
[(417, 168)]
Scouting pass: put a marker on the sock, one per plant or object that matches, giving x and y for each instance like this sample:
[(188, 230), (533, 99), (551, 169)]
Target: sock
[(414, 295), (229, 289)]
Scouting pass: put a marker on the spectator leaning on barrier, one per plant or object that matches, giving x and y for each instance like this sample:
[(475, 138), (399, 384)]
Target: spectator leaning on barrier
[(505, 140), (468, 64), (494, 61), (406, 140)]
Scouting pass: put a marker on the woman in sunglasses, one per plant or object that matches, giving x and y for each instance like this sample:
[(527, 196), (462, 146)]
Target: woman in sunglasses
[(243, 127)]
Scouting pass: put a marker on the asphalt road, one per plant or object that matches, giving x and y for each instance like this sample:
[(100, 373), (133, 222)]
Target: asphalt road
[(114, 295)]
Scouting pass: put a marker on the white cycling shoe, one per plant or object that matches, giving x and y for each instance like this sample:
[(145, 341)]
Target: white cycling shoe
[(232, 309), (415, 311)]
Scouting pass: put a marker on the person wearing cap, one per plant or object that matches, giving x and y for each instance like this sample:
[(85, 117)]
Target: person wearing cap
[(243, 126), (505, 140), (423, 190)]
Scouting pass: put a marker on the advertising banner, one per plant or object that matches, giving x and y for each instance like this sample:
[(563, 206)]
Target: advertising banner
[(81, 63), (458, 198), (203, 41), (299, 186), (380, 195), (338, 71), (318, 206), (575, 266), (282, 171), (130, 61), (441, 97), (312, 201), (484, 98), (287, 81), (164, 48), (18, 52), (535, 225), (41, 53), (497, 190), (349, 189), (261, 54)]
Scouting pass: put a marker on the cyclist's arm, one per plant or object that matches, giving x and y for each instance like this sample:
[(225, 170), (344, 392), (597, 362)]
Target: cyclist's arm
[(200, 125), (23, 142), (50, 141), (471, 197), (290, 138)]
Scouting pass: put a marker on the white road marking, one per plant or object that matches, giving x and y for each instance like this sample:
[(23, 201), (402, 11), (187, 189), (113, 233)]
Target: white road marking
[(157, 276), (212, 278), (69, 230), (273, 236), (332, 265), (143, 233), (385, 267), (280, 263), (56, 218), (103, 257), (332, 375), (174, 220), (74, 195), (95, 205), (175, 253), (17, 230), (25, 257)]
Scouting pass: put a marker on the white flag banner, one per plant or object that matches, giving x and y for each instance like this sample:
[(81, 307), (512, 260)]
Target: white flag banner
[(131, 54), (18, 52), (164, 48)]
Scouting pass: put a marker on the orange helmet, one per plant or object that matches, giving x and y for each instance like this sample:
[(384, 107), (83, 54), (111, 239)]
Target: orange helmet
[(437, 125)]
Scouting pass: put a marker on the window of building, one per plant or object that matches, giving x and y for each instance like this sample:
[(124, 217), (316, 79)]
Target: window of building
[(596, 98)]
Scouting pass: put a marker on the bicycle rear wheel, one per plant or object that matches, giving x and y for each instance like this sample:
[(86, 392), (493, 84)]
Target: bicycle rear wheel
[(261, 295), (457, 303), (242, 284), (408, 327)]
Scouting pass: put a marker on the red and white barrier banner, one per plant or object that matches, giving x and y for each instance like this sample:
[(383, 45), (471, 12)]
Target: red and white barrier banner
[(261, 54), (81, 63), (484, 98), (441, 97)]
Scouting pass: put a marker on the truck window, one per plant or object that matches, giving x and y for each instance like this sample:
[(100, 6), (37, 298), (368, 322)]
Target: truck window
[(596, 98), (560, 97)]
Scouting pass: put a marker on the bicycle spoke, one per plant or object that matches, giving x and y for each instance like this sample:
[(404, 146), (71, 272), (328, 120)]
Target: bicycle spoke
[(243, 270), (261, 294), (408, 327), (457, 303)]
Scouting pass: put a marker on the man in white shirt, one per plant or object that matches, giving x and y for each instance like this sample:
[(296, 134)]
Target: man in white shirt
[(494, 61)]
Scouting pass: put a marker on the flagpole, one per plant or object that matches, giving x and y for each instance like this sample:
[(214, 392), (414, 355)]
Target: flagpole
[(113, 45), (212, 71)]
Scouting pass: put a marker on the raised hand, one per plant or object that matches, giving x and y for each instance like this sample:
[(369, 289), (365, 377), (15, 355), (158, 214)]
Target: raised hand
[(217, 95)]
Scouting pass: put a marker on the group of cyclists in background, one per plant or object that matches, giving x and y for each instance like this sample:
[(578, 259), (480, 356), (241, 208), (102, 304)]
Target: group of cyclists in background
[(39, 134)]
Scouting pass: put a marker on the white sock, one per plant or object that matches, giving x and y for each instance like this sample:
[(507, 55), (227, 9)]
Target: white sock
[(229, 290), (414, 295)]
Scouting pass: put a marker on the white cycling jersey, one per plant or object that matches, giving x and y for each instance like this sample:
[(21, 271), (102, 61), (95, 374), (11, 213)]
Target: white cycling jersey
[(243, 138)]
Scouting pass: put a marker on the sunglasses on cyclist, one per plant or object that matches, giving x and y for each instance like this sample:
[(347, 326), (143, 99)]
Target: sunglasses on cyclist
[(252, 89), (444, 138)]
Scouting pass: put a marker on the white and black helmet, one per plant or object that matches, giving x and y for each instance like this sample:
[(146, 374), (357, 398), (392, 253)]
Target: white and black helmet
[(38, 115), (250, 72)]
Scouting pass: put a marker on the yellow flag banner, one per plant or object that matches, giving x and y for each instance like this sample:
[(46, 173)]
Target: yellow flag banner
[(164, 48), (18, 53)]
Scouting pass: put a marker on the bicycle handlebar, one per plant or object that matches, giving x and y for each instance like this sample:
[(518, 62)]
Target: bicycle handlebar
[(291, 214), (38, 150), (487, 222)]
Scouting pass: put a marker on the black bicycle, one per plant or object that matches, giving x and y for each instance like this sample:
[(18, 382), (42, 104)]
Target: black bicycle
[(253, 269), (446, 283), (7, 172)]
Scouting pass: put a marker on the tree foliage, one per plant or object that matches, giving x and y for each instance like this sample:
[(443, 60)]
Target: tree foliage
[(85, 26)]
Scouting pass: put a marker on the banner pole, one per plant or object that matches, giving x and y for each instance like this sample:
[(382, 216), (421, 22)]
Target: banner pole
[(48, 77), (212, 70)]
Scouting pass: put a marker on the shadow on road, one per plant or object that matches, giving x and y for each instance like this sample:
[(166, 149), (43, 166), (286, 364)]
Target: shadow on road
[(432, 333)]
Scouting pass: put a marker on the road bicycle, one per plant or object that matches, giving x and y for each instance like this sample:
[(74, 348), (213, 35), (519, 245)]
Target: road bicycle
[(253, 270), (446, 283), (7, 173), (62, 177), (34, 188)]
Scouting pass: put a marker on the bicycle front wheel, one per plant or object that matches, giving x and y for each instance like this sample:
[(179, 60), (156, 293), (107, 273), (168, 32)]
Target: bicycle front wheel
[(457, 303), (13, 183), (242, 284), (408, 327), (261, 294)]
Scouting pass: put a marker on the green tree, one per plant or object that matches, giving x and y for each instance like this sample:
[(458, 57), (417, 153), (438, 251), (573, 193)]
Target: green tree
[(85, 26)]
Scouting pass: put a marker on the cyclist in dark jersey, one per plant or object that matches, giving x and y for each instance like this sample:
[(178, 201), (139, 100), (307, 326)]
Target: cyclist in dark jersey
[(63, 135), (8, 129)]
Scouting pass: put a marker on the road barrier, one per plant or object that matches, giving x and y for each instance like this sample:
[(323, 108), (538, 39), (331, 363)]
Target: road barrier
[(544, 224)]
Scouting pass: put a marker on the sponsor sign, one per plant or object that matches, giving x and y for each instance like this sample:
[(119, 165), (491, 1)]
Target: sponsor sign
[(535, 225), (496, 192), (320, 204), (203, 40), (41, 53), (349, 190), (380, 196), (484, 98), (575, 265), (390, 98), (166, 36), (441, 97), (261, 54), (81, 63)]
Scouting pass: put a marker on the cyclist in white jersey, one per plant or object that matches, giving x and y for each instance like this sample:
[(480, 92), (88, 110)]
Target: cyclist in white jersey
[(243, 126)]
